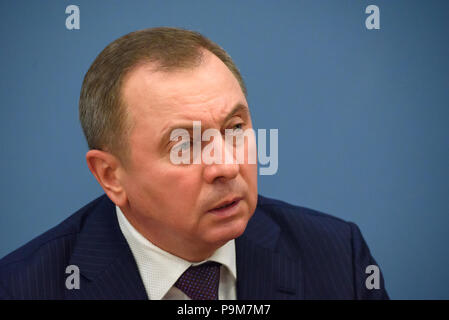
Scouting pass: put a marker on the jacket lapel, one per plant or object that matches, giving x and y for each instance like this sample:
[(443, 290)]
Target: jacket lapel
[(263, 271), (109, 271), (104, 259)]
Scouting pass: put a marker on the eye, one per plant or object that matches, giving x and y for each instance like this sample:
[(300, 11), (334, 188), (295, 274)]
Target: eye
[(185, 145), (238, 126)]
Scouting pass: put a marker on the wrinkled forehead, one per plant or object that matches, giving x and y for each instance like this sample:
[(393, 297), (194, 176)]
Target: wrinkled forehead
[(206, 92)]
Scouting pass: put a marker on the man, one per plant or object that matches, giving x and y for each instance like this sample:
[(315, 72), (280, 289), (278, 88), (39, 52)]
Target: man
[(181, 231)]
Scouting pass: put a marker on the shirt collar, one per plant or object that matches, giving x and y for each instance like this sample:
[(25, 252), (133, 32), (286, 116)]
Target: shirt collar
[(161, 269)]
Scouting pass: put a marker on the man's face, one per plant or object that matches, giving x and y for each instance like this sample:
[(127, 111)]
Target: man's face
[(169, 203)]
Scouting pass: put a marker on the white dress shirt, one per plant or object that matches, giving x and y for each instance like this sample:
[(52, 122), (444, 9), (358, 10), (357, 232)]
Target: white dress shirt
[(160, 270)]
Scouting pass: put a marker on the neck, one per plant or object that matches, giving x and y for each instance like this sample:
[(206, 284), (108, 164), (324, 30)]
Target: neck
[(192, 251)]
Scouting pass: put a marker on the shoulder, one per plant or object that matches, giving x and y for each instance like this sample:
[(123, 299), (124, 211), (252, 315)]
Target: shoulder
[(44, 255), (326, 246), (309, 223), (315, 236), (66, 229)]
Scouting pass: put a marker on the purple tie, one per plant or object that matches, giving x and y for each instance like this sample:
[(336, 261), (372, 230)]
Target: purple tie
[(200, 282)]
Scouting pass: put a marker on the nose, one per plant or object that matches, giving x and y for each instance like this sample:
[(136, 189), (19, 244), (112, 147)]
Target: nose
[(225, 170), (216, 172)]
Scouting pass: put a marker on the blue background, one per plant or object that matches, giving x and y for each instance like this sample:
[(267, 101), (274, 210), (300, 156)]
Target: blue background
[(362, 114)]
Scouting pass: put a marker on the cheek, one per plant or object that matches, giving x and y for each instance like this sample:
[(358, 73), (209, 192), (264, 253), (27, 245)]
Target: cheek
[(175, 188), (249, 172), (250, 176)]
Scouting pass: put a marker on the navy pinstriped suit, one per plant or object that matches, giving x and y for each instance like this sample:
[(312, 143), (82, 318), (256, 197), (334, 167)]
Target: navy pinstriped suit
[(286, 252)]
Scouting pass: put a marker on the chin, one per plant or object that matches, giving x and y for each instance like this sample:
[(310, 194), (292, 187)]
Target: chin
[(222, 234)]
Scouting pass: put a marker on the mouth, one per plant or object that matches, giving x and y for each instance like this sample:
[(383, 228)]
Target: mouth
[(227, 207)]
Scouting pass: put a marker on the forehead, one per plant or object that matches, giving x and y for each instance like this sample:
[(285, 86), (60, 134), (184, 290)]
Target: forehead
[(159, 99)]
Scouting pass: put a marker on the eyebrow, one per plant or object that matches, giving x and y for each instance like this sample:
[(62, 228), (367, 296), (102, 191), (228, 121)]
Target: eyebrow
[(239, 107)]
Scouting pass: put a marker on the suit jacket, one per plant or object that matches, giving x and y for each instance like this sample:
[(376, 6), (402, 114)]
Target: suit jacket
[(286, 252)]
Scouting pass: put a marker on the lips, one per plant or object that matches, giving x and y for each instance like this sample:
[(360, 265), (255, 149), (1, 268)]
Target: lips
[(226, 203)]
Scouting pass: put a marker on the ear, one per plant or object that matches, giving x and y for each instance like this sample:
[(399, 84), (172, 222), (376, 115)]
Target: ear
[(108, 170)]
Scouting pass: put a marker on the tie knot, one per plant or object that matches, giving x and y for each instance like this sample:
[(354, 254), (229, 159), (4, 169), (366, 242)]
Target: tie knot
[(200, 282)]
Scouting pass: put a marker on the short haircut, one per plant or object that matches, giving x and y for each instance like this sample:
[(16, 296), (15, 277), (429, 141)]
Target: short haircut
[(103, 115)]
